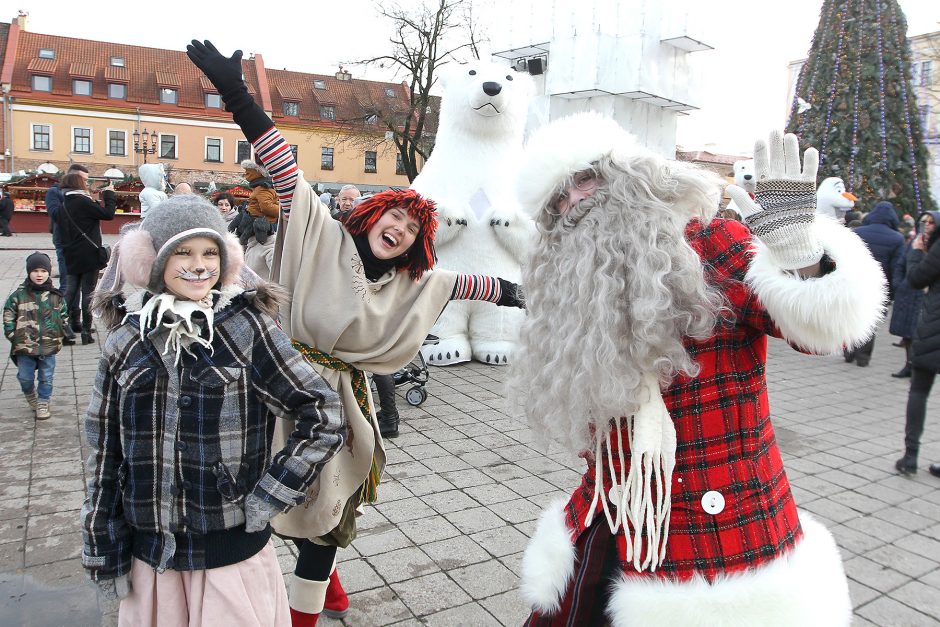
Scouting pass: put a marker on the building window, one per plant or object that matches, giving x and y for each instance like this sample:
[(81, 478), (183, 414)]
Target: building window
[(242, 151), (81, 87), (399, 165), (326, 158), (213, 101), (118, 91), (370, 161), (42, 137), (42, 83), (372, 119), (214, 149), (925, 73), (168, 96), (117, 143), (319, 84), (291, 108), (168, 146), (293, 151), (328, 112), (924, 115), (117, 61), (389, 92), (81, 140), (46, 53)]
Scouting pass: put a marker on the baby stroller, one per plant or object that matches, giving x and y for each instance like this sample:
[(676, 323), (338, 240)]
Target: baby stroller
[(416, 374)]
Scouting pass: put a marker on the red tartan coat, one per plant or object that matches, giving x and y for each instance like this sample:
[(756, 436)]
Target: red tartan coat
[(726, 443)]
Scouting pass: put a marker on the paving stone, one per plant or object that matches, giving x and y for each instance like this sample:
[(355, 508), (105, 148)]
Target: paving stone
[(449, 501), (53, 548), (455, 552), (485, 579), (426, 530), (407, 563), (13, 530), (469, 615), (491, 493), (474, 519), (405, 509), (874, 574), (430, 594), (508, 608), (419, 486), (518, 511), (373, 544), (887, 611), (910, 564), (501, 540), (379, 606), (56, 502), (467, 478), (44, 525)]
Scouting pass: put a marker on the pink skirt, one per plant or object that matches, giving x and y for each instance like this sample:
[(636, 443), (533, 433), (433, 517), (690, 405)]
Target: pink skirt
[(250, 593)]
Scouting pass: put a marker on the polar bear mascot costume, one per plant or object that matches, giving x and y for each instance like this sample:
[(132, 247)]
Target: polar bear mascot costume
[(482, 229), (743, 178), (154, 180)]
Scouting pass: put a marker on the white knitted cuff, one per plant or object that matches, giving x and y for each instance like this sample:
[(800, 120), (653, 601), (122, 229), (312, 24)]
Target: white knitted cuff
[(794, 248)]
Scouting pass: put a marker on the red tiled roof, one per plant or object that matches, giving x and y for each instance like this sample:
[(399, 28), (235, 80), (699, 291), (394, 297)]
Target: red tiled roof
[(207, 85), (42, 66), (117, 74), (168, 79), (82, 70)]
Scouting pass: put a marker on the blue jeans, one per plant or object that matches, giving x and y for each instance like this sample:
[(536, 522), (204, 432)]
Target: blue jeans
[(26, 373)]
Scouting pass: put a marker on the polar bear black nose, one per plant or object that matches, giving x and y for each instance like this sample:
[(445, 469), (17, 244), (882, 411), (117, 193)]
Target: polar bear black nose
[(492, 88), (747, 177)]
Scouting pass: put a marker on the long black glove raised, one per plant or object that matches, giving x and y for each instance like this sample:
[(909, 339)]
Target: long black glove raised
[(226, 74)]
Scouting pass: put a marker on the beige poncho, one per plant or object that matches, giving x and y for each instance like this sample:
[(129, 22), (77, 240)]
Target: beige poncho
[(373, 326)]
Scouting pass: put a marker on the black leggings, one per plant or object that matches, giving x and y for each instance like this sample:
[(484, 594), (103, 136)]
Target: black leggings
[(921, 382), (78, 291), (314, 561)]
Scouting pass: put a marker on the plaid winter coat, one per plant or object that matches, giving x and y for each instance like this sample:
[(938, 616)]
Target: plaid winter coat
[(726, 442), (34, 320), (176, 449)]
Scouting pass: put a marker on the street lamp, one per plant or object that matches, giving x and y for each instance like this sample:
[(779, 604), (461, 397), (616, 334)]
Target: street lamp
[(149, 145)]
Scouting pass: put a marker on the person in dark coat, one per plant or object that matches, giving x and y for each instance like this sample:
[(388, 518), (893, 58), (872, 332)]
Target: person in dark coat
[(879, 231), (6, 214), (907, 300), (923, 271), (78, 223)]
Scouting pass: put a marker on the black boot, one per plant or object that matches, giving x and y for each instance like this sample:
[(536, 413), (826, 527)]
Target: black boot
[(904, 372), (388, 425), (935, 470), (87, 338), (907, 465), (848, 355)]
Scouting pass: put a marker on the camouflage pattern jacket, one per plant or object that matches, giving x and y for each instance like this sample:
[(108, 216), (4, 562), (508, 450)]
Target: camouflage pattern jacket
[(34, 320)]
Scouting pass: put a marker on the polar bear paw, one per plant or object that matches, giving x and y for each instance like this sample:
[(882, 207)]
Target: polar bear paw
[(493, 353), (446, 352)]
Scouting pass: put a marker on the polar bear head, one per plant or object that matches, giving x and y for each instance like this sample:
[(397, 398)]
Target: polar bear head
[(485, 98), (151, 175), (744, 175)]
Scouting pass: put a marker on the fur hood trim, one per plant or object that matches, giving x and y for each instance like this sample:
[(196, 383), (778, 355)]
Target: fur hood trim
[(566, 146), (249, 164), (826, 314), (548, 561)]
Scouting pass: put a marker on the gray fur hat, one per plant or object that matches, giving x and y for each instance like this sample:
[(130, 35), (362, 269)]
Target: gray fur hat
[(145, 251)]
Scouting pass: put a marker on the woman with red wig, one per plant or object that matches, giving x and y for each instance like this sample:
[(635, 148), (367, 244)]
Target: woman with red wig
[(363, 299)]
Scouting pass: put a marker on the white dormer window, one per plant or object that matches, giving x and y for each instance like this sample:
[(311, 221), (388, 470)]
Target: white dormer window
[(319, 84), (46, 53), (117, 61), (389, 92)]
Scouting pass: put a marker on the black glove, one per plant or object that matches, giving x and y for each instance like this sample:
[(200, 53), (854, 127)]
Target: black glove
[(510, 294), (224, 73)]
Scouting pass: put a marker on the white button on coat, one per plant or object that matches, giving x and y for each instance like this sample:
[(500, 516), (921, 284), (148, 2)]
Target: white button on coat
[(713, 502)]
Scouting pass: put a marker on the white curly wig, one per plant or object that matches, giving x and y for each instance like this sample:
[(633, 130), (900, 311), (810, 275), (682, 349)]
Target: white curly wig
[(612, 288)]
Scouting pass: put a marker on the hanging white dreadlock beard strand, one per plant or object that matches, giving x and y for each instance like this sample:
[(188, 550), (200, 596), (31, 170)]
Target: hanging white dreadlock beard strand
[(176, 316)]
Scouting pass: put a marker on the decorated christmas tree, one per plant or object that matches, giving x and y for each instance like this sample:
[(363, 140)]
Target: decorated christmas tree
[(854, 103)]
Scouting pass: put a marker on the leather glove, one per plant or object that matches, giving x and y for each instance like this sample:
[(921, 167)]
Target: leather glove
[(115, 589), (257, 513), (224, 73), (510, 294), (782, 212)]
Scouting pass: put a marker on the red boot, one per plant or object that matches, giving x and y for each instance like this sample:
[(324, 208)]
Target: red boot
[(337, 603), (302, 619)]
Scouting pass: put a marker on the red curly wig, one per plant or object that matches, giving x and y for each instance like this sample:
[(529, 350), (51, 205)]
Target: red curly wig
[(421, 256)]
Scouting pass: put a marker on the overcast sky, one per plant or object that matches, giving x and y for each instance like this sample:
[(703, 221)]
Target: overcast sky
[(744, 94)]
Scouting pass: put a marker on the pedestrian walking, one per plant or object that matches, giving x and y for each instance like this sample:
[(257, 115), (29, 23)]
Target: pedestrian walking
[(923, 271), (6, 213), (907, 300), (183, 481), (35, 320)]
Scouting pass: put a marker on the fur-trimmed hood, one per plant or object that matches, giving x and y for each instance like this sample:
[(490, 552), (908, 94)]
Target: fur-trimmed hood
[(566, 146), (254, 170), (112, 305)]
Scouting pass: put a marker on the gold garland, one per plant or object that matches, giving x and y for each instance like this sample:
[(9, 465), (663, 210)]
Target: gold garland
[(369, 491)]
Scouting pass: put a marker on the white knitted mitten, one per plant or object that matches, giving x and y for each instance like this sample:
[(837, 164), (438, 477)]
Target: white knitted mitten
[(782, 213), (115, 589), (257, 513)]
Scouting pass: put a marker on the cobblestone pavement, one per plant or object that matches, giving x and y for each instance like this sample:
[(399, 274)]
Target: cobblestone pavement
[(464, 487)]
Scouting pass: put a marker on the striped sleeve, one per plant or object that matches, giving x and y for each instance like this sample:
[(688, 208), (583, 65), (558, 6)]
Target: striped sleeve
[(275, 154), (476, 287)]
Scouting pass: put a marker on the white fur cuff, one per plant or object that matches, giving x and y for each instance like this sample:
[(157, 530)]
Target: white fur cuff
[(828, 313), (548, 561)]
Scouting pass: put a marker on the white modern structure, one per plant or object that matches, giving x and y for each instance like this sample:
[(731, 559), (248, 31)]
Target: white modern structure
[(630, 59)]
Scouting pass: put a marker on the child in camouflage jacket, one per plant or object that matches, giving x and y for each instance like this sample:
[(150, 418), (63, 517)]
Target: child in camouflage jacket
[(35, 320)]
